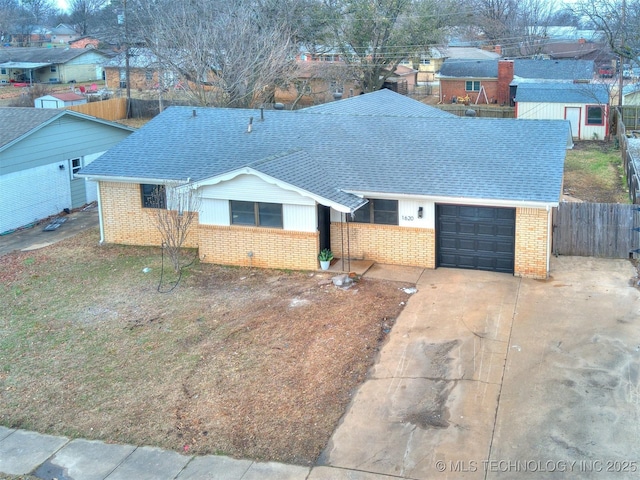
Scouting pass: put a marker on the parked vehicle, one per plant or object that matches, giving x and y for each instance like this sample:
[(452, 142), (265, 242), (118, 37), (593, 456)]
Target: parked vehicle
[(606, 71)]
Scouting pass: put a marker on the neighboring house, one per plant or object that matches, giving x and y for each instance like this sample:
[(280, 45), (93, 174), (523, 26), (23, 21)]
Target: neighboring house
[(377, 176), (146, 71), (491, 81), (585, 106), (84, 42), (40, 151), (63, 34), (59, 100), (50, 65), (318, 82), (403, 80), (430, 62)]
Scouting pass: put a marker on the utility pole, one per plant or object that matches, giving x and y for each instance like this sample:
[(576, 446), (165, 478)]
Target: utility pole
[(127, 69), (623, 34)]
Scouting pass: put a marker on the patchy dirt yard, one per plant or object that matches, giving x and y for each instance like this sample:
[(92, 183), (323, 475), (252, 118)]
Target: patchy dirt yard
[(249, 363), (594, 173)]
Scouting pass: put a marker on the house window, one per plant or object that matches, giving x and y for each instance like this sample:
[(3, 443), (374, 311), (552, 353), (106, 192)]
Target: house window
[(595, 115), (153, 196), (384, 212), (76, 165), (148, 75), (258, 214), (3, 71), (123, 78), (472, 85), (53, 69), (425, 60)]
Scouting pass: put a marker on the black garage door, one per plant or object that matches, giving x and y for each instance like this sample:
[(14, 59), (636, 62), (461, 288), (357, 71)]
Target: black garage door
[(480, 238)]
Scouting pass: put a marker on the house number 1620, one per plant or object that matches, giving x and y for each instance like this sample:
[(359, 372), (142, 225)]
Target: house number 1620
[(408, 218)]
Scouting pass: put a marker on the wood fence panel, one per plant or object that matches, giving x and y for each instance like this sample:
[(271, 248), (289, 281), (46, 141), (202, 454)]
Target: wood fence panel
[(604, 230), (481, 111), (112, 109)]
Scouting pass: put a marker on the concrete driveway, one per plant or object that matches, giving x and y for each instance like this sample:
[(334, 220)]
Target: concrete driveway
[(486, 375)]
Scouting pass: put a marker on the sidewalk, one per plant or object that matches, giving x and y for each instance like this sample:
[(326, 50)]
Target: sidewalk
[(49, 457)]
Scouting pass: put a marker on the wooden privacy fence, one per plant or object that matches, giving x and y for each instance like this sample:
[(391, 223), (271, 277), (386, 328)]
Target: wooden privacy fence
[(112, 109), (608, 230), (481, 111)]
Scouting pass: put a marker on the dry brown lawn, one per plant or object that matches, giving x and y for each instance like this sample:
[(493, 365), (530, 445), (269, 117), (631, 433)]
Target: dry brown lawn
[(250, 363)]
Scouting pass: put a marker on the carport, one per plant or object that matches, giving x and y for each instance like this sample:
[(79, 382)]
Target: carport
[(22, 72)]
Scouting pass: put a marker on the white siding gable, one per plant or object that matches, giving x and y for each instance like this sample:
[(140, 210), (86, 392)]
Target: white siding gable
[(299, 212)]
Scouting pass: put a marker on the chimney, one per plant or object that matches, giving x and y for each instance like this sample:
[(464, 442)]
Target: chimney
[(505, 77)]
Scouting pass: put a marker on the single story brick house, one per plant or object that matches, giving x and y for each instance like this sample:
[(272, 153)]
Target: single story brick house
[(40, 151), (377, 176), (584, 105), (493, 81)]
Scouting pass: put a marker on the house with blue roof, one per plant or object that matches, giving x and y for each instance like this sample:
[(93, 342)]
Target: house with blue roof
[(585, 106), (379, 177)]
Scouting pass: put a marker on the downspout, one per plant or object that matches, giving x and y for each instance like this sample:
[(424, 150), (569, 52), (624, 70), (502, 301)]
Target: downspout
[(100, 215), (549, 238)]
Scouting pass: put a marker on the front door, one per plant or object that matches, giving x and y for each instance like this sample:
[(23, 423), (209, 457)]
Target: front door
[(324, 226), (78, 185), (573, 115)]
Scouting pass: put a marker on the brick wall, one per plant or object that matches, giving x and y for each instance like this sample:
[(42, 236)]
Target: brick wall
[(450, 88), (505, 77), (385, 243), (137, 78), (532, 240), (125, 221), (270, 247)]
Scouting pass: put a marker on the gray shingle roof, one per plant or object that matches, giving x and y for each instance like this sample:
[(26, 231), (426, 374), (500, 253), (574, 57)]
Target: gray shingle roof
[(469, 68), (450, 157), (42, 55), (568, 70), (563, 93), (560, 70), (17, 122), (384, 102)]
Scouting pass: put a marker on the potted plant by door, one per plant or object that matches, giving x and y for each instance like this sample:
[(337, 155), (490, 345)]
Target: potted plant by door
[(325, 257)]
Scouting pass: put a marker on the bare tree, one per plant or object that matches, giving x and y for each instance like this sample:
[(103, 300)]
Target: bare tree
[(83, 13), (374, 36), (177, 206), (231, 53)]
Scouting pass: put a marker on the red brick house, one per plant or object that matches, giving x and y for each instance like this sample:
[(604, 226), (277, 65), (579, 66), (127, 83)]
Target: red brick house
[(490, 81)]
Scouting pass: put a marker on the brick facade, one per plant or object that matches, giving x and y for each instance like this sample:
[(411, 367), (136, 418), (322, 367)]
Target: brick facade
[(269, 247), (532, 242), (385, 243), (126, 222), (450, 88), (124, 219)]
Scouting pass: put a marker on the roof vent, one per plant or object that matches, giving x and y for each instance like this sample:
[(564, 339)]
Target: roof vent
[(470, 112), (278, 106), (250, 126), (194, 113)]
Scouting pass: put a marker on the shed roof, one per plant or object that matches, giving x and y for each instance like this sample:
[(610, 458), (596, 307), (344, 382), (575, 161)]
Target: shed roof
[(562, 93), (449, 157)]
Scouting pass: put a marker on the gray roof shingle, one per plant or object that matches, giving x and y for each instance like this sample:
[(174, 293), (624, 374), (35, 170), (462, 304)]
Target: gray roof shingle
[(42, 55), (559, 70), (449, 157), (18, 121), (385, 102), (563, 93)]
